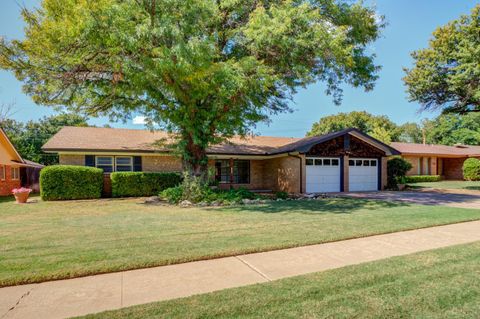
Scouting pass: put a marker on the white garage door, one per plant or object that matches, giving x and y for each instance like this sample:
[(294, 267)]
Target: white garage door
[(363, 174), (322, 174)]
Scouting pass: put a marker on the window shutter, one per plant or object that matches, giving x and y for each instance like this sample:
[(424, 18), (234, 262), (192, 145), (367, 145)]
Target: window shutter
[(137, 163), (90, 160)]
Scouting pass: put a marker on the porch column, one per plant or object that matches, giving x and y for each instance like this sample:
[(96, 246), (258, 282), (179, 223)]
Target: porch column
[(231, 170), (384, 178), (345, 187)]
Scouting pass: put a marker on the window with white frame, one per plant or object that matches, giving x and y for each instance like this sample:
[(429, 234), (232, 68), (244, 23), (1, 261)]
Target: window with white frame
[(15, 173), (2, 172), (123, 164), (105, 163)]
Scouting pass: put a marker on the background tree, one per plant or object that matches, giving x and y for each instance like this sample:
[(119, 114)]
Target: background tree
[(446, 74), (410, 133), (202, 69), (379, 126), (28, 138), (451, 129)]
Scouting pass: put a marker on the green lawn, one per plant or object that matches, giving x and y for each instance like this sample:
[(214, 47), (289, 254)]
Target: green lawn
[(449, 185), (443, 283), (53, 240)]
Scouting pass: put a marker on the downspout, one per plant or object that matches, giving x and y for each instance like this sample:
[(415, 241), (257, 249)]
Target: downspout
[(301, 171)]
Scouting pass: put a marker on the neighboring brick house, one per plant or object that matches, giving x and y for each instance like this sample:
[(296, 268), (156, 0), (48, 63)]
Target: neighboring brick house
[(14, 170), (427, 159), (341, 161)]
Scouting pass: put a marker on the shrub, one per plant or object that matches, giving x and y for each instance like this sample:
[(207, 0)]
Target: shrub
[(281, 195), (136, 184), (208, 195), (397, 168), (61, 182), (471, 169), (423, 178)]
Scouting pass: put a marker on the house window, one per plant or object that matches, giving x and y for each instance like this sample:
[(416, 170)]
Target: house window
[(15, 173), (105, 163), (318, 162), (222, 171), (335, 162), (351, 163), (309, 161), (373, 163), (2, 172), (238, 174), (241, 172), (123, 164)]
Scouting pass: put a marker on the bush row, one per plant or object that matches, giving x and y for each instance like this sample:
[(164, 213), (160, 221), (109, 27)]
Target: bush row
[(471, 169), (423, 178), (136, 184), (64, 182), (61, 182)]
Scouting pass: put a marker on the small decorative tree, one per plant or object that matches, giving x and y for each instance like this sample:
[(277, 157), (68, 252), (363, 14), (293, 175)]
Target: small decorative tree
[(397, 168), (471, 169)]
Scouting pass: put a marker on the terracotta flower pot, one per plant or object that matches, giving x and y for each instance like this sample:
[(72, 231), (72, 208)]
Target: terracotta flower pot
[(21, 198)]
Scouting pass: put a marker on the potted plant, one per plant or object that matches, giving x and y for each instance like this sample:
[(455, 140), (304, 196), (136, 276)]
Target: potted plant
[(402, 183), (21, 194)]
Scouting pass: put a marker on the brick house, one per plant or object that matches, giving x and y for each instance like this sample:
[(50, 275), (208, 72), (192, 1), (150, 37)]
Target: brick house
[(348, 160), (427, 159), (14, 170)]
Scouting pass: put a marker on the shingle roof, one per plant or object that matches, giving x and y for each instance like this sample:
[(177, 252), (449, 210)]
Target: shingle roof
[(93, 139), (128, 140), (433, 149)]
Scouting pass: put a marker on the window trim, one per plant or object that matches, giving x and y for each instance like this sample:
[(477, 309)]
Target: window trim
[(12, 176), (231, 170), (4, 170), (105, 156), (123, 165)]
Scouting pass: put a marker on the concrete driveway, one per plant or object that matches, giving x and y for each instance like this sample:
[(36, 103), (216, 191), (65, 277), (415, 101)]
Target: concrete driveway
[(451, 198)]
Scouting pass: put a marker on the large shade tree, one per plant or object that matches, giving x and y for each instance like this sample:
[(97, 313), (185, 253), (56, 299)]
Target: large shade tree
[(446, 74), (202, 69), (378, 126)]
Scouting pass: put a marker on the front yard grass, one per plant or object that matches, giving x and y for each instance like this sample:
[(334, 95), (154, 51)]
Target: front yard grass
[(55, 240), (449, 185), (443, 283)]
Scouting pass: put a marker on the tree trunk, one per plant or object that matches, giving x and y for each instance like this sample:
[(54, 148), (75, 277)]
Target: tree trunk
[(195, 160)]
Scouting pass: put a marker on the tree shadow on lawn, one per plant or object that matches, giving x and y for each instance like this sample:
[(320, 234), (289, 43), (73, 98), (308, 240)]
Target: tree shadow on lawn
[(473, 188), (316, 206)]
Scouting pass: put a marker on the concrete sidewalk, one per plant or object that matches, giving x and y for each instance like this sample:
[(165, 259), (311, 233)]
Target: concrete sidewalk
[(74, 297)]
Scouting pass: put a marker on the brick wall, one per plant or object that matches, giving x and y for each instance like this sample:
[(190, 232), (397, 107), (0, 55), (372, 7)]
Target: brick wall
[(422, 165), (8, 184), (453, 168), (65, 159), (161, 164), (283, 174), (384, 178)]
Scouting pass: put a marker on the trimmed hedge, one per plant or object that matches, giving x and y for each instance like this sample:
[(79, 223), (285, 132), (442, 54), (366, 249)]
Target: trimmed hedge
[(471, 169), (137, 184), (397, 168), (62, 182), (423, 178)]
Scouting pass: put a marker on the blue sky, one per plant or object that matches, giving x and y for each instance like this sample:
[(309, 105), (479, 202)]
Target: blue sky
[(410, 24)]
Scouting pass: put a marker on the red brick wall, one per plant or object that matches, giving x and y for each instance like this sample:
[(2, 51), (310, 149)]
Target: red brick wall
[(453, 168), (8, 184)]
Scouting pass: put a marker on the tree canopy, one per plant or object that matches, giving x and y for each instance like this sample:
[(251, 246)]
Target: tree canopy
[(203, 69), (451, 129), (446, 74), (28, 138), (378, 126)]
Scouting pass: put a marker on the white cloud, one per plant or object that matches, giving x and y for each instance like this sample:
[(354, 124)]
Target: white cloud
[(139, 120)]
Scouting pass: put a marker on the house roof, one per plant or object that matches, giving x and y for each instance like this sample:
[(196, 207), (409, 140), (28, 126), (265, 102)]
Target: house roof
[(17, 159), (93, 139), (439, 150)]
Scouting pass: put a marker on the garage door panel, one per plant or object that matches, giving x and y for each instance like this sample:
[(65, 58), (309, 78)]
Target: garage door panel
[(323, 175), (363, 174)]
